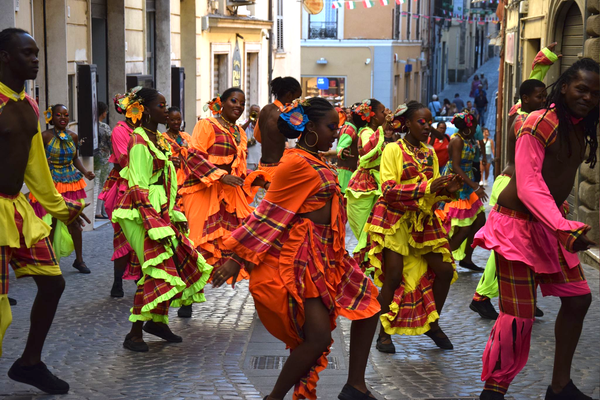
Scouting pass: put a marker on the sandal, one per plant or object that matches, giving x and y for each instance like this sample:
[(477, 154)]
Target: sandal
[(351, 393), (132, 345), (81, 267), (470, 266), (440, 339), (385, 347), (165, 333)]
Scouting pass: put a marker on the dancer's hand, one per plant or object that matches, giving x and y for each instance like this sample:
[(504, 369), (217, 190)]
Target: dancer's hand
[(80, 221), (182, 226), (176, 162), (454, 184), (228, 270), (582, 243), (480, 192), (345, 154), (260, 182), (440, 183), (231, 180), (89, 175)]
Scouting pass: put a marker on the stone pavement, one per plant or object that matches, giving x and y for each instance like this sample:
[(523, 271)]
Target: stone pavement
[(227, 353)]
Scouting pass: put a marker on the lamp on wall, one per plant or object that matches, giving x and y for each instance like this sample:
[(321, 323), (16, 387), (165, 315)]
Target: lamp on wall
[(367, 61), (322, 61)]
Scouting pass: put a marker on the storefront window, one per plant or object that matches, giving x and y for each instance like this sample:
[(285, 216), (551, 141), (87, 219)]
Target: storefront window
[(328, 87)]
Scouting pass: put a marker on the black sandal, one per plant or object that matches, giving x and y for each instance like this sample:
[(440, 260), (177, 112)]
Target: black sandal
[(132, 345), (388, 348), (351, 393), (441, 341)]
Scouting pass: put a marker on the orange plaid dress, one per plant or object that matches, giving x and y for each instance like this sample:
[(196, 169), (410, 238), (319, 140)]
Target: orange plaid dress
[(297, 259)]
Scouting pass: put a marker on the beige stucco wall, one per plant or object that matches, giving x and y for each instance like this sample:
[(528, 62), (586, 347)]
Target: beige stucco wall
[(348, 62), (78, 34), (288, 64), (176, 32), (23, 16), (368, 23)]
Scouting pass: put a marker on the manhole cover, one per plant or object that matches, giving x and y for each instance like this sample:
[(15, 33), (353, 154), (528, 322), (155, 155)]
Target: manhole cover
[(276, 362)]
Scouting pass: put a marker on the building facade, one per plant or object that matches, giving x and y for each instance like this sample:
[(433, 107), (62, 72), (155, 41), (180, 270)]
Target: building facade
[(190, 50), (575, 26), (352, 54)]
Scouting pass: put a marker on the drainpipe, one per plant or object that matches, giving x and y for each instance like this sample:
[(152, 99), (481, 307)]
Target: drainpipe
[(519, 52), (270, 63), (500, 102), (47, 100)]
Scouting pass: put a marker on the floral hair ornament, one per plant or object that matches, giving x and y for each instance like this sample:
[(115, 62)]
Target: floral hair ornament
[(398, 119), (294, 115), (214, 106), (365, 110), (134, 111), (48, 115), (465, 116)]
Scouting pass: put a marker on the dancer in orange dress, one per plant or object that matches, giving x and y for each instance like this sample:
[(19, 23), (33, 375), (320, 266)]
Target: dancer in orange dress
[(302, 277), (216, 204)]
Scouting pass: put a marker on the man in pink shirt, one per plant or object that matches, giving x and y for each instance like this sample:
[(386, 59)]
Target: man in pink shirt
[(534, 243)]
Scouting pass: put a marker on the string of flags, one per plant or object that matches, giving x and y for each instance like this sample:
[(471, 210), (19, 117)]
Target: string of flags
[(448, 15)]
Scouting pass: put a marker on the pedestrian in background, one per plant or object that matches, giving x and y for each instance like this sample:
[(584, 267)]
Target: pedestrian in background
[(434, 106), (484, 82), (101, 155), (446, 108), (481, 103), (474, 84), (472, 110), (254, 147), (440, 145), (488, 144), (460, 104)]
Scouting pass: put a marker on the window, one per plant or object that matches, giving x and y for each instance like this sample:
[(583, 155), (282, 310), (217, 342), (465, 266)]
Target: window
[(406, 86), (419, 20), (279, 22), (150, 37), (409, 20), (71, 87), (331, 88), (252, 75), (220, 77), (324, 24), (398, 22)]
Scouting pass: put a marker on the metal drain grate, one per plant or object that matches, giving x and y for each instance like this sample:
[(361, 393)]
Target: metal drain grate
[(276, 362)]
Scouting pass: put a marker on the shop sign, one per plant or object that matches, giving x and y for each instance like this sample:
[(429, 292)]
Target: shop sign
[(323, 83), (237, 66)]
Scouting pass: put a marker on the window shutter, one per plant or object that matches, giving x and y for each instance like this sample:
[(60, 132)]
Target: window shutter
[(279, 23)]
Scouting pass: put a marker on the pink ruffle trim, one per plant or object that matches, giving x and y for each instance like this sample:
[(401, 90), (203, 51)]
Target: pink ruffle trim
[(41, 212)]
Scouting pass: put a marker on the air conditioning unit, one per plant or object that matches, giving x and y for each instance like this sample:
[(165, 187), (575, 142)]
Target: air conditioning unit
[(134, 80)]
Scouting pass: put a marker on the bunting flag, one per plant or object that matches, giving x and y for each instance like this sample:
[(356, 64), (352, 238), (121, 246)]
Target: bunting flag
[(336, 4), (368, 3), (350, 5), (399, 2), (384, 2)]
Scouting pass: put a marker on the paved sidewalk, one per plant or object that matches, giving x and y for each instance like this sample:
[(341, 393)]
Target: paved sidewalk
[(227, 354)]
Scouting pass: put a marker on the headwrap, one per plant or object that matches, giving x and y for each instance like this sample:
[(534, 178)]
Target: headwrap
[(294, 115), (398, 122), (130, 104), (214, 106), (342, 116), (467, 117), (364, 110)]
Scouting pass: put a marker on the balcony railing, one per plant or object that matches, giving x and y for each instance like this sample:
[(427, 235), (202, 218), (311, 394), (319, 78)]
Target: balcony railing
[(322, 30)]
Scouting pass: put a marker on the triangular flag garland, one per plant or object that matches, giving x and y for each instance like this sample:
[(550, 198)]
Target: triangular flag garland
[(454, 17), (351, 5)]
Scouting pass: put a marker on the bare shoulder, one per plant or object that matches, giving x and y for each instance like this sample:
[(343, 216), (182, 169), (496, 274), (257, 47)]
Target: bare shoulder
[(47, 135), (73, 135)]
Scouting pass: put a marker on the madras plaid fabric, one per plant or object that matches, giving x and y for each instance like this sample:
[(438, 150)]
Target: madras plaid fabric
[(369, 145), (198, 167), (40, 255), (60, 155), (494, 386), (478, 297), (466, 164), (363, 180), (224, 144), (519, 121), (542, 125), (111, 180)]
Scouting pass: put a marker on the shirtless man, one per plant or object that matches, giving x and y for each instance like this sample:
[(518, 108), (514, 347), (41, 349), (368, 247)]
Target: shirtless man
[(273, 143), (534, 243), (532, 95), (24, 237)]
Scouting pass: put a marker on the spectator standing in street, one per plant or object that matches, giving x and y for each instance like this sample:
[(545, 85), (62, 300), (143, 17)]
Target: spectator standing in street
[(24, 242), (472, 110), (459, 103), (434, 106), (446, 108), (302, 276), (484, 82), (474, 85), (490, 152), (535, 244), (440, 140), (101, 156), (254, 147), (481, 104)]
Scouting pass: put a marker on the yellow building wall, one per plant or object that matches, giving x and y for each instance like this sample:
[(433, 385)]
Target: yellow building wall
[(23, 16), (135, 38), (176, 32), (369, 23), (348, 62)]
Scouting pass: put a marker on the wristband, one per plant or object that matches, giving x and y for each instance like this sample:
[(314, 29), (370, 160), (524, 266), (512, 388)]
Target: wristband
[(237, 262)]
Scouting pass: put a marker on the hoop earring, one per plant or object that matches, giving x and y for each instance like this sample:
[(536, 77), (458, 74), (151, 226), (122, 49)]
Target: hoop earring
[(316, 141)]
